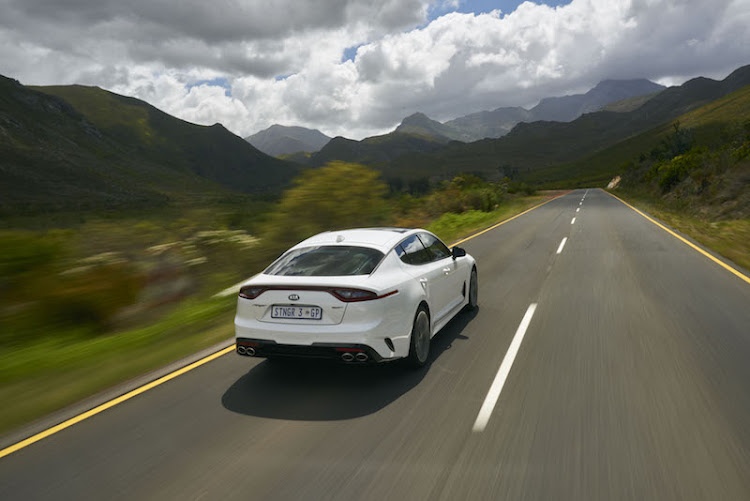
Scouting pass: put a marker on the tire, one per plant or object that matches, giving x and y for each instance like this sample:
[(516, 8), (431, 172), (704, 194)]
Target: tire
[(419, 342), (473, 303)]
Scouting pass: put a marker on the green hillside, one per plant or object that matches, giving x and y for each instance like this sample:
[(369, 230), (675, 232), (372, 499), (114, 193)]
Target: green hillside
[(534, 151), (629, 104), (79, 148), (376, 151), (708, 126), (211, 152)]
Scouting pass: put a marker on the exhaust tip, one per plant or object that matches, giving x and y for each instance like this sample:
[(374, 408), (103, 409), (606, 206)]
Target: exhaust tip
[(241, 349), (250, 351), (362, 357), (389, 344), (347, 357)]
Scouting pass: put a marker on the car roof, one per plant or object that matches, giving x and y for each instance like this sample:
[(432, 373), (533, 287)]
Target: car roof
[(383, 239)]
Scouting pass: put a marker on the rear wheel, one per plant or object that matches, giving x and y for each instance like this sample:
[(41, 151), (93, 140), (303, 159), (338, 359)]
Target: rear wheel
[(419, 344), (473, 291)]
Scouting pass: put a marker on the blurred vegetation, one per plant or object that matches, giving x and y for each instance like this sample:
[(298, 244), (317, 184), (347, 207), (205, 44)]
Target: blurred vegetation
[(89, 299), (338, 195)]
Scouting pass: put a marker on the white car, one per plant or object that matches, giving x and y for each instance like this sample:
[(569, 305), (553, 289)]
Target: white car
[(361, 295)]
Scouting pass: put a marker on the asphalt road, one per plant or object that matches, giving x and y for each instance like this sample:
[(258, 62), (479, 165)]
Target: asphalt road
[(632, 382)]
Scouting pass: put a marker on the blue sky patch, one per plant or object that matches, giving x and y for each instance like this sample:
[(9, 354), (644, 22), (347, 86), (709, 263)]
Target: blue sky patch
[(350, 53), (483, 6), (214, 82)]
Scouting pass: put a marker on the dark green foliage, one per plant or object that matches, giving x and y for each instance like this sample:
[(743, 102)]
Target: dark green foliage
[(711, 179), (464, 193), (90, 297), (374, 151), (712, 125), (677, 143), (521, 187), (339, 195), (43, 292)]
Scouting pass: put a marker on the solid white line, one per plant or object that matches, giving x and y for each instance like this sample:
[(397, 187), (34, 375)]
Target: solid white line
[(572, 221), (562, 244), (497, 385), (578, 209)]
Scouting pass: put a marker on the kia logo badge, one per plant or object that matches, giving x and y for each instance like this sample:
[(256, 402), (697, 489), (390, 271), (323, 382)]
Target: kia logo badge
[(293, 297)]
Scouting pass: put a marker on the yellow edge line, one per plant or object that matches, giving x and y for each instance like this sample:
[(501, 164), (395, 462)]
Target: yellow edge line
[(103, 407), (506, 221), (709, 256)]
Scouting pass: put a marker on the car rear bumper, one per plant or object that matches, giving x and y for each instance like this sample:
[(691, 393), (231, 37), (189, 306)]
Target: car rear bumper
[(344, 352), (380, 336)]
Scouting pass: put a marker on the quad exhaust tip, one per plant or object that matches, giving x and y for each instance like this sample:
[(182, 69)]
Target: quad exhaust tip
[(248, 351), (355, 357)]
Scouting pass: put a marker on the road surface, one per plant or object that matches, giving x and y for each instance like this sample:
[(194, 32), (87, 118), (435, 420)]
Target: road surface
[(630, 380)]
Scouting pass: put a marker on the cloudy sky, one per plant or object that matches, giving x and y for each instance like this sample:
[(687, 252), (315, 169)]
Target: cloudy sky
[(357, 67)]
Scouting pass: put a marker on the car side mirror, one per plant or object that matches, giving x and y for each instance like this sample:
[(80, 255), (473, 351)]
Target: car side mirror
[(458, 252)]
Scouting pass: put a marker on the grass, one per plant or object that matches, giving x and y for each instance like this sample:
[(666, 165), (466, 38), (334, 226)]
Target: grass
[(729, 238), (451, 227)]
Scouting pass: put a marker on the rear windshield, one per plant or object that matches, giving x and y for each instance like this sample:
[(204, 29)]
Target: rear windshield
[(326, 261)]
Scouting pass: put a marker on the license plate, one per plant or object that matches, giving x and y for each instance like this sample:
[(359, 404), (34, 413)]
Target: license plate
[(297, 312)]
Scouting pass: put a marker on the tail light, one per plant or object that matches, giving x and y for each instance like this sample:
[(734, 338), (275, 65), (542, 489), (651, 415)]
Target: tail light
[(352, 295), (251, 292), (345, 294)]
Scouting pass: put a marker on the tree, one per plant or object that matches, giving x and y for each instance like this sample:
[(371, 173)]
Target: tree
[(338, 195)]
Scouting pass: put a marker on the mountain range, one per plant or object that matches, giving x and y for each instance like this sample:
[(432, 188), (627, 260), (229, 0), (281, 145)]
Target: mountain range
[(280, 140), (529, 147), (80, 148), (84, 148), (497, 123)]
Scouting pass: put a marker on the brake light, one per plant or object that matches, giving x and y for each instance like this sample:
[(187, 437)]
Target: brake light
[(251, 292), (354, 295), (350, 295), (345, 294)]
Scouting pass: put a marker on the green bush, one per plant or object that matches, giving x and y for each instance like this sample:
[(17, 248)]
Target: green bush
[(672, 172), (39, 297), (338, 195), (91, 296), (516, 187), (464, 193)]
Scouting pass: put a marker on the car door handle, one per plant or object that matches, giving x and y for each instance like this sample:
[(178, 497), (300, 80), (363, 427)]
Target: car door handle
[(446, 270), (423, 280)]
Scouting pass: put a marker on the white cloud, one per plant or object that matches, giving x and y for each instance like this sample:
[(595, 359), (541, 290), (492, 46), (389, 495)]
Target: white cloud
[(456, 64)]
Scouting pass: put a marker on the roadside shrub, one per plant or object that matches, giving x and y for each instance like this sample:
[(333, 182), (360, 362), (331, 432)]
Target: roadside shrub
[(464, 193), (91, 295), (338, 195), (516, 187), (672, 172)]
